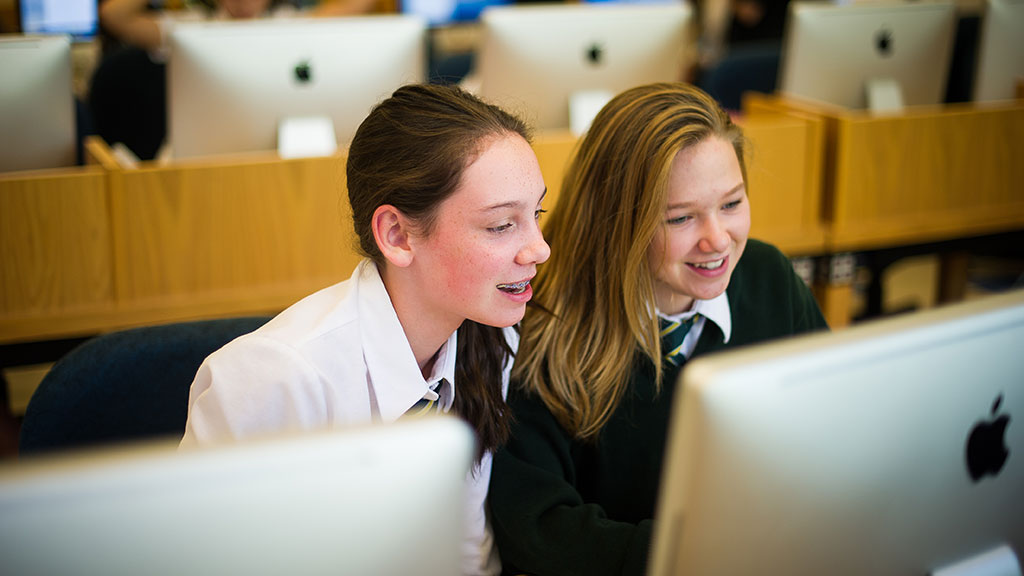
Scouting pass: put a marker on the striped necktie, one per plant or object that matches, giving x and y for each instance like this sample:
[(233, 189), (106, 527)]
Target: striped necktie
[(421, 408), (428, 404), (672, 335)]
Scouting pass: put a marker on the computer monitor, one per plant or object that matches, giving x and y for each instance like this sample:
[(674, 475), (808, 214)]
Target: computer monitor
[(386, 500), (875, 55), (448, 12), (231, 84), (1000, 51), (880, 449), (75, 17), (37, 115), (535, 59)]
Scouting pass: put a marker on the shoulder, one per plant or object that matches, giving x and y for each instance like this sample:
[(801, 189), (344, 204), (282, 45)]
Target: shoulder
[(763, 258), (763, 267), (329, 314), (317, 335), (767, 298)]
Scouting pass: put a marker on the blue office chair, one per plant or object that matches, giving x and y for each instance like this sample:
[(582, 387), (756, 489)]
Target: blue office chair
[(127, 385)]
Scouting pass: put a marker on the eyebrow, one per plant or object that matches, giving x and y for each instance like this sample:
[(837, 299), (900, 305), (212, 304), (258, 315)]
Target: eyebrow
[(739, 187), (512, 203)]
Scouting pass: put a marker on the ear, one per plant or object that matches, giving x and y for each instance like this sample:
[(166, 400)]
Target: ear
[(392, 230)]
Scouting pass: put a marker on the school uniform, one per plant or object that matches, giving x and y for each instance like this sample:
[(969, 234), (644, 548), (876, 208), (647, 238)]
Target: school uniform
[(562, 506), (337, 357)]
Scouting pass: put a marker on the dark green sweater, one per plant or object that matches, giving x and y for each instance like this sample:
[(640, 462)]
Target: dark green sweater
[(560, 506)]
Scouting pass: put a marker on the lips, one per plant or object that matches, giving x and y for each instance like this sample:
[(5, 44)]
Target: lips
[(516, 288)]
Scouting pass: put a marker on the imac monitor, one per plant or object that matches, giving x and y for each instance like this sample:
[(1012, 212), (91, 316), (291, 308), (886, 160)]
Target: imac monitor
[(876, 55), (75, 17), (231, 84), (386, 500), (535, 59), (895, 447), (1001, 51), (37, 107)]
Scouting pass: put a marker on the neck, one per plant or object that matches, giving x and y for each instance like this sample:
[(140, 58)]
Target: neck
[(425, 328)]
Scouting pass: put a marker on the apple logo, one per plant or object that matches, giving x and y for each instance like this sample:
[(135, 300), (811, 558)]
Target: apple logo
[(303, 72), (594, 54), (883, 42), (986, 445)]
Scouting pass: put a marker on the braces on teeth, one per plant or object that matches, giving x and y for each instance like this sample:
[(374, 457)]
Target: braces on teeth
[(516, 288)]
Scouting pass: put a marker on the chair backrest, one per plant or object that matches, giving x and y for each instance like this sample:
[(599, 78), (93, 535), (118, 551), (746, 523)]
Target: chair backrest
[(123, 386)]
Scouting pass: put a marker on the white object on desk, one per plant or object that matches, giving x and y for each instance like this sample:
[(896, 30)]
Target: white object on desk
[(307, 136), (583, 106), (884, 96)]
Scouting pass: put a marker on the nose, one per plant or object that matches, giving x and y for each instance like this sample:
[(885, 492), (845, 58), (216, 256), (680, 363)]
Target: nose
[(535, 250), (714, 237)]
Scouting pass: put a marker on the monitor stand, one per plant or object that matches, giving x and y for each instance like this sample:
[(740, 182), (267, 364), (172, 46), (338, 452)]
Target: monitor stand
[(306, 136), (583, 107), (884, 96), (999, 561)]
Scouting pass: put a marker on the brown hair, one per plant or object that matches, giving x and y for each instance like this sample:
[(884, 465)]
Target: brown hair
[(595, 296), (410, 152)]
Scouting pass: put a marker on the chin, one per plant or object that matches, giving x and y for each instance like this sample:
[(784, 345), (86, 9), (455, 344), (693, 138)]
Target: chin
[(709, 293), (503, 321)]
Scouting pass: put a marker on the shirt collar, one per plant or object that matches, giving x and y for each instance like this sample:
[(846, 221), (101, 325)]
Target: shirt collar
[(390, 364), (716, 310)]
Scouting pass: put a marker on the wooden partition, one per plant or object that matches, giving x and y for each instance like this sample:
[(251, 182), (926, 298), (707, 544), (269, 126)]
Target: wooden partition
[(784, 168), (928, 174), (242, 236), (110, 246), (56, 251)]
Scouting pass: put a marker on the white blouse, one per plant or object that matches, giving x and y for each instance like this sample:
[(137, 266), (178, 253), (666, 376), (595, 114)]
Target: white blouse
[(336, 357)]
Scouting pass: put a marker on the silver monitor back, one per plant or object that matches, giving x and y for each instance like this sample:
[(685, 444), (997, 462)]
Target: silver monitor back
[(1000, 51), (832, 52), (37, 106), (874, 450), (533, 58), (231, 83), (384, 500)]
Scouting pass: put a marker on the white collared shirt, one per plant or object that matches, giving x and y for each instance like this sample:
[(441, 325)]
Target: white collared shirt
[(715, 310), (335, 358)]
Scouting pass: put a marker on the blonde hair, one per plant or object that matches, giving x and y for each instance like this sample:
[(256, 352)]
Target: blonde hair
[(594, 316)]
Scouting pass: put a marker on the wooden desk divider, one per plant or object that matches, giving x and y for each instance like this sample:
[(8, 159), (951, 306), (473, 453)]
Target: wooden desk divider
[(928, 174), (56, 252), (107, 246), (236, 236), (784, 169)]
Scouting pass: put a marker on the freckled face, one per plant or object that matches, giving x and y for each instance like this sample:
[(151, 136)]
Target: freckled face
[(485, 244), (707, 220)]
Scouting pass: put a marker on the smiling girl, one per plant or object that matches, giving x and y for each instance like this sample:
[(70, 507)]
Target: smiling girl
[(445, 194), (651, 266)]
